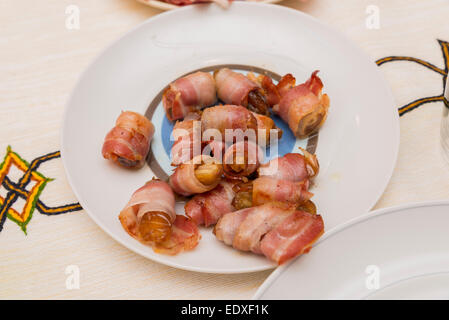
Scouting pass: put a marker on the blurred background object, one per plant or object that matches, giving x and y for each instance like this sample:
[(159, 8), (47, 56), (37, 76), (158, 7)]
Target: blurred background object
[(174, 4)]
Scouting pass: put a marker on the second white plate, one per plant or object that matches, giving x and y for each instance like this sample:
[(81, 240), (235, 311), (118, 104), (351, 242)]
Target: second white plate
[(357, 147), (393, 253)]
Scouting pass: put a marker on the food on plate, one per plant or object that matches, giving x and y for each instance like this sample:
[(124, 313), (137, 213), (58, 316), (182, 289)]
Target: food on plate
[(185, 133), (150, 217), (291, 166), (228, 116), (221, 3), (128, 142), (187, 125), (239, 120), (237, 89), (189, 93), (266, 128), (269, 89), (242, 159), (266, 189), (184, 237), (206, 208), (307, 206), (201, 174), (217, 157), (277, 230), (303, 107), (189, 142)]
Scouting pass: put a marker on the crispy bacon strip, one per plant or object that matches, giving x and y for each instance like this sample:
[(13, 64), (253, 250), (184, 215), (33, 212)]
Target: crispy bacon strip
[(303, 107), (183, 149), (186, 133), (233, 87), (269, 89), (185, 236), (276, 230), (156, 197), (242, 159), (187, 125), (206, 208), (128, 142), (236, 88), (292, 237), (189, 93), (186, 181), (227, 225), (262, 220), (291, 166), (267, 189), (266, 128), (228, 117), (189, 142)]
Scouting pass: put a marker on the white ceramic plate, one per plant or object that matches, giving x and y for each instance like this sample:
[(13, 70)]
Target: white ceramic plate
[(357, 147), (168, 6), (393, 253)]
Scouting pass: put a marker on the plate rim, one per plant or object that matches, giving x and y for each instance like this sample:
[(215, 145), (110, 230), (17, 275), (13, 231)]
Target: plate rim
[(354, 46), (346, 225)]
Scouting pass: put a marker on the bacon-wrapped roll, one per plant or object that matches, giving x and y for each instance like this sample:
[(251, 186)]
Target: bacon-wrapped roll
[(192, 92), (266, 189), (207, 208), (294, 236), (189, 143), (276, 230), (235, 88), (303, 107), (242, 159), (128, 142), (186, 133), (187, 125), (184, 236), (228, 117), (291, 166), (269, 89), (199, 175), (150, 217), (265, 128)]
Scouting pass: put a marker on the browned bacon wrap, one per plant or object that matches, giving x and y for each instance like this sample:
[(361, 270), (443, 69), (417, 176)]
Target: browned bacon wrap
[(185, 236), (242, 159), (156, 197), (276, 230), (128, 142), (186, 134), (235, 88), (291, 166), (228, 117), (187, 179), (303, 107), (207, 208), (192, 92), (266, 189), (189, 142), (266, 129)]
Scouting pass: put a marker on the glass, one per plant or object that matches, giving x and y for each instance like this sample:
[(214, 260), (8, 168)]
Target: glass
[(445, 122)]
